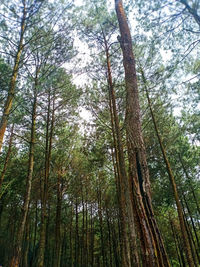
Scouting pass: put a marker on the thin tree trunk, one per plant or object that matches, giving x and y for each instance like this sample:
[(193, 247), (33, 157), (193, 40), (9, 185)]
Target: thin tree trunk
[(26, 245), (45, 184), (83, 231), (109, 237), (192, 221), (91, 237), (175, 241), (190, 238), (77, 247), (114, 242), (101, 229), (191, 187), (86, 232), (57, 257), (123, 179), (7, 156), (70, 237), (11, 90), (185, 237), (122, 233), (18, 246), (35, 233), (153, 250)]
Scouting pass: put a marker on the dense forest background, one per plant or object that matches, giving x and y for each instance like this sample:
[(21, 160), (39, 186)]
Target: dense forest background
[(98, 167)]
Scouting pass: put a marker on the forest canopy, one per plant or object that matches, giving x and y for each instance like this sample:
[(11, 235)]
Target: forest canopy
[(99, 133)]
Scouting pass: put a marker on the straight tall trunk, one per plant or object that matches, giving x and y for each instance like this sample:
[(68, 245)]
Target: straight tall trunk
[(11, 90), (124, 193), (77, 246), (185, 237), (109, 237), (91, 237), (57, 256), (103, 253), (45, 184), (15, 261), (153, 250)]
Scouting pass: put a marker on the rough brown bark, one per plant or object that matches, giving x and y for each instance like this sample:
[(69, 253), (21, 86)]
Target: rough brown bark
[(153, 250)]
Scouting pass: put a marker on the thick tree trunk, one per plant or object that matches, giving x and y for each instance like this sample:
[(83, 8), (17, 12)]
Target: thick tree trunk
[(18, 247), (153, 250), (11, 91)]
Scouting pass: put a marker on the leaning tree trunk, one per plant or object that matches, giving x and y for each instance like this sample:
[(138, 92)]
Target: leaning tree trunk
[(11, 91), (153, 250), (7, 157), (15, 261)]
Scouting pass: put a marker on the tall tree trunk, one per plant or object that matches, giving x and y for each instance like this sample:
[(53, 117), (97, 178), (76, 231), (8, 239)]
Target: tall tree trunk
[(153, 250), (83, 256), (18, 246), (71, 237), (7, 156), (190, 238), (11, 90), (109, 237), (77, 246), (185, 237), (121, 222), (123, 186), (45, 184), (57, 257), (189, 181), (103, 253), (192, 221), (91, 237), (175, 241), (114, 242), (26, 245)]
